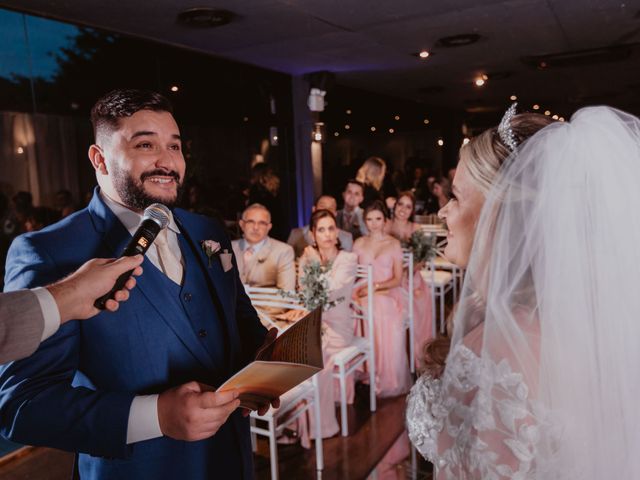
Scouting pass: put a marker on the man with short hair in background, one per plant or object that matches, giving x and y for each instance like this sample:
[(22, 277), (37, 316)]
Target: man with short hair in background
[(263, 261), (349, 218), (300, 237)]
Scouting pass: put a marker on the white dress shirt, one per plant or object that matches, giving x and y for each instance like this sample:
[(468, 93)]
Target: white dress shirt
[(143, 414)]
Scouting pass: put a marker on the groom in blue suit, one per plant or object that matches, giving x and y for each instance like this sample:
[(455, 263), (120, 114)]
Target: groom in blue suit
[(133, 392)]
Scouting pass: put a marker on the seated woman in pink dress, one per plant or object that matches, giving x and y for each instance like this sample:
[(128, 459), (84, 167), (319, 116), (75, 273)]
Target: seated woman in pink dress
[(385, 254), (401, 227), (338, 325)]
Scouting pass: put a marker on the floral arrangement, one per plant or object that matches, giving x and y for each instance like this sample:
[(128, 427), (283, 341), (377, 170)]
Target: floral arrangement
[(314, 288), (422, 245), (211, 248)]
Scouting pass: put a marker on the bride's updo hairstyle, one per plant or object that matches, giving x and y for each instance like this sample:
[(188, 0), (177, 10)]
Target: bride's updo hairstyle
[(483, 157)]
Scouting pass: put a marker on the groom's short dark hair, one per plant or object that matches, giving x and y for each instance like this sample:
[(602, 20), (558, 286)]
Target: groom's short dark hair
[(121, 103)]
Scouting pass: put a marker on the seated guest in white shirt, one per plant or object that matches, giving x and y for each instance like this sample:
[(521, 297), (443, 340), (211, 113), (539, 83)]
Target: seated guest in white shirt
[(300, 237), (350, 218), (262, 260)]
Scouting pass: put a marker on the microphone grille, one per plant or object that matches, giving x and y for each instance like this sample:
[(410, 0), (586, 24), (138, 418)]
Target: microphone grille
[(159, 213)]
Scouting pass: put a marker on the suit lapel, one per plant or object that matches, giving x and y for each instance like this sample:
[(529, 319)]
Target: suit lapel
[(193, 234), (149, 284)]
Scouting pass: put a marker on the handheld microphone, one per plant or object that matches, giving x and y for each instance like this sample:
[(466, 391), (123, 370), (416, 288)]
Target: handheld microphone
[(155, 218)]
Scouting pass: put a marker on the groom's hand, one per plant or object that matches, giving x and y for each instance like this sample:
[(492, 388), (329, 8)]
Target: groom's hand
[(194, 411)]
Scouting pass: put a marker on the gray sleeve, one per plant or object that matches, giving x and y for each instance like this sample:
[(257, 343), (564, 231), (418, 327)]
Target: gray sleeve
[(21, 325)]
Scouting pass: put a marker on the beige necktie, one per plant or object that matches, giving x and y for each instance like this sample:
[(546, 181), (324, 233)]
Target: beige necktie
[(169, 262), (247, 255)]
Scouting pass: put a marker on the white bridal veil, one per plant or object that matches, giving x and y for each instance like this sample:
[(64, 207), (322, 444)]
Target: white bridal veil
[(543, 378)]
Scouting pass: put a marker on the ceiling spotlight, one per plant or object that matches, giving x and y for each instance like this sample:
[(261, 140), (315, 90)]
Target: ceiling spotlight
[(336, 134), (536, 107), (426, 121), (397, 117), (440, 142), (373, 129), (348, 112), (480, 81), (20, 150), (465, 140), (513, 98), (561, 119), (391, 130), (347, 126), (555, 117), (547, 113), (423, 54), (245, 119), (174, 88)]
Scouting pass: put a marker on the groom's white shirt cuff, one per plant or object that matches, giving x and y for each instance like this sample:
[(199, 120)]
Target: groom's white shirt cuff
[(143, 419), (50, 312)]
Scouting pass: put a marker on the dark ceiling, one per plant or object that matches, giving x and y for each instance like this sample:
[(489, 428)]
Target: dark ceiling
[(560, 54)]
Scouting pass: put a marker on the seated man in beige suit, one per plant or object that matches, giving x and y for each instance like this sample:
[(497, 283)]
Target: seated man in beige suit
[(300, 237), (262, 260)]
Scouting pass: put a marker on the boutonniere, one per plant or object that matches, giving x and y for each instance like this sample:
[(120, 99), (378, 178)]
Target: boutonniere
[(211, 249)]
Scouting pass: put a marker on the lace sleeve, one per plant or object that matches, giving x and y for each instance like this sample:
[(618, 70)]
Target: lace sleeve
[(478, 421)]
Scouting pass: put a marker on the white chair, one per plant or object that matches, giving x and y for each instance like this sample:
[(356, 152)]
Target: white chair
[(440, 283), (298, 401), (407, 263), (360, 352)]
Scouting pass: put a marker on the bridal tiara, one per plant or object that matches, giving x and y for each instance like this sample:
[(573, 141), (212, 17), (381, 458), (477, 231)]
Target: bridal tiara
[(504, 129)]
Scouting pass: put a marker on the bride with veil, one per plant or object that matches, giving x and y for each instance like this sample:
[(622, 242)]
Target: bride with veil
[(542, 376)]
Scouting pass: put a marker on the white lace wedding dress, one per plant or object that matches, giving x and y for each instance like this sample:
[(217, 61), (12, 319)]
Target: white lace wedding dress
[(466, 433)]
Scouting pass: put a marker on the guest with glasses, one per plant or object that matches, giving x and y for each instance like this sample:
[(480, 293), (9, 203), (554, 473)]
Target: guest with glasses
[(262, 260)]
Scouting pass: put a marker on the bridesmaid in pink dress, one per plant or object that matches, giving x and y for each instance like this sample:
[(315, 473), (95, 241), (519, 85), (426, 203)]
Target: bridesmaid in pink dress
[(337, 323), (401, 227), (385, 254)]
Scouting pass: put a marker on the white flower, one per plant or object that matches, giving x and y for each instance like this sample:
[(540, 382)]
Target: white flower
[(211, 248)]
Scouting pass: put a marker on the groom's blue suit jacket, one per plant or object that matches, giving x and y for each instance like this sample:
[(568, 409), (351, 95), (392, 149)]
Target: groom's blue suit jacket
[(75, 391)]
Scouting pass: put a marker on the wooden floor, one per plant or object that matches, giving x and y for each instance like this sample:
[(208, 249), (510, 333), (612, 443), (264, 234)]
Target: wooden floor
[(376, 448)]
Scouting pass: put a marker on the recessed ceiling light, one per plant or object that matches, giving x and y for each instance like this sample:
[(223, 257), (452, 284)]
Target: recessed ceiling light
[(547, 113), (174, 88), (245, 119), (479, 81), (426, 121), (440, 142), (336, 134), (465, 140), (423, 54), (347, 127), (205, 17), (561, 119), (391, 130), (513, 98), (458, 40), (373, 129), (348, 112), (397, 117), (555, 117), (536, 107)]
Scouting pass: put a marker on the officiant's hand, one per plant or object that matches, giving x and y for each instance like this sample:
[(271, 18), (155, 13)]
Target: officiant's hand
[(194, 411)]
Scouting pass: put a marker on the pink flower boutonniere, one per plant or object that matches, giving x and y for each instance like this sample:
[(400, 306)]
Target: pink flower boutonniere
[(211, 248)]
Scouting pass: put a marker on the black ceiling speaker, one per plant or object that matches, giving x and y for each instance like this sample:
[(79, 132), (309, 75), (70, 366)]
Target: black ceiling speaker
[(461, 40), (205, 17)]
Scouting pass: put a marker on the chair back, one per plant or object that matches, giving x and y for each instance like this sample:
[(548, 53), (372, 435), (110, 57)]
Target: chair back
[(270, 298), (364, 274)]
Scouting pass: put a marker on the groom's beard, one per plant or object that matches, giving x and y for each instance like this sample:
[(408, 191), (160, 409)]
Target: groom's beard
[(132, 191)]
